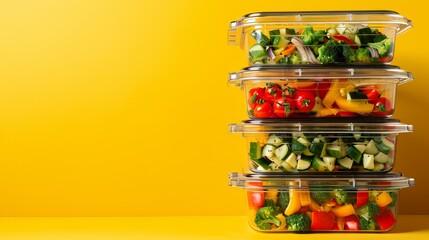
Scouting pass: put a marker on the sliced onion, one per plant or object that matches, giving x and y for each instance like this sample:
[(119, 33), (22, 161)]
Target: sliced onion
[(300, 47), (373, 52)]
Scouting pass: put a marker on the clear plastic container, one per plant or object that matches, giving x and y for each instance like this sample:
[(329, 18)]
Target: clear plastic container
[(308, 203), (318, 37), (322, 146), (304, 91)]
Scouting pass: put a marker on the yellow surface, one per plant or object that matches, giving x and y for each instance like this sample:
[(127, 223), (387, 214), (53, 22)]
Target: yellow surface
[(120, 108), (171, 228)]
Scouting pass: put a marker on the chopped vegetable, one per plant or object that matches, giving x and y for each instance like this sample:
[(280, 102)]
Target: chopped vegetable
[(298, 222)]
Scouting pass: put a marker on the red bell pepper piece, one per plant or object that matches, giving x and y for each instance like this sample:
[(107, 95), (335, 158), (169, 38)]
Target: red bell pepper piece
[(351, 222), (361, 198), (385, 220), (256, 199), (321, 220), (345, 39)]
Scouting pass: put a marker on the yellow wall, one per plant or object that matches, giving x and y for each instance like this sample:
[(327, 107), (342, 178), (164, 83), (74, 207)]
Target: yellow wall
[(120, 108)]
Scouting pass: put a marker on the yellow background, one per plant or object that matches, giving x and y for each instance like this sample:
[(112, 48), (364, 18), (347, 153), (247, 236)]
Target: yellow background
[(120, 108)]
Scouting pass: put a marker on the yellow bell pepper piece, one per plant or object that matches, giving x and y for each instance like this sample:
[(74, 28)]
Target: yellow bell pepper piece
[(282, 220), (314, 206), (271, 194), (340, 223), (251, 218), (343, 211), (327, 112), (304, 197), (333, 93), (383, 199), (294, 202), (356, 107), (347, 89)]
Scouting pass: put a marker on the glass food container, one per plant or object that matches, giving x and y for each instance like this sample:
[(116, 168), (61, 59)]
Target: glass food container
[(303, 91), (322, 146), (318, 37), (308, 203)]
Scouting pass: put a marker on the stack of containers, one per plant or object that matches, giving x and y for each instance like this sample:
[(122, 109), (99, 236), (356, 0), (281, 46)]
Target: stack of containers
[(320, 143)]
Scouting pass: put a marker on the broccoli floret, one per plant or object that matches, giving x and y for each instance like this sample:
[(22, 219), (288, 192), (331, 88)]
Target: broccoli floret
[(366, 224), (331, 52), (308, 35), (383, 47), (368, 211), (340, 196), (298, 222), (283, 199), (320, 196), (319, 36), (294, 58), (265, 217), (349, 54), (363, 55)]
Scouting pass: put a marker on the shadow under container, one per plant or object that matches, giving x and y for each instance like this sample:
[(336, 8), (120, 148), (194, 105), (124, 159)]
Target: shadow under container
[(318, 37), (321, 146), (304, 91), (308, 203)]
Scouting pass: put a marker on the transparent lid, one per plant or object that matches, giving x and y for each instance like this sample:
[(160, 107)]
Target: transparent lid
[(321, 125), (303, 181), (378, 17), (390, 73)]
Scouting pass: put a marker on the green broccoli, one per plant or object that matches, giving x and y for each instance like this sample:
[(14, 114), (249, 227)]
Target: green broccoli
[(298, 222), (294, 58), (319, 36), (383, 48), (308, 35), (340, 196), (283, 199), (368, 211), (366, 224), (266, 216), (363, 55), (320, 196), (348, 53), (331, 52)]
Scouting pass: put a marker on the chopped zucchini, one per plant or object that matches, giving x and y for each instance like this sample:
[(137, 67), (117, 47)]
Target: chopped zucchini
[(275, 160), (360, 147), (318, 148), (268, 151), (330, 162), (381, 157), (274, 140), (255, 151), (345, 162), (291, 160), (354, 154), (378, 167), (336, 151), (260, 38), (371, 148), (286, 167), (368, 161), (297, 147), (303, 164), (264, 163), (257, 53), (319, 165), (282, 151)]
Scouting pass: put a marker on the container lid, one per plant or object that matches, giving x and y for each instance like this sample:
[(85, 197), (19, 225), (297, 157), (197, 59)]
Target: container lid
[(377, 17), (321, 125), (303, 181), (390, 73)]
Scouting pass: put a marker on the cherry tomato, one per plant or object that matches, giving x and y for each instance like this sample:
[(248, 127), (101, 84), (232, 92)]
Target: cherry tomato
[(289, 92), (255, 94), (321, 220), (361, 198), (263, 110), (305, 101), (272, 92), (385, 59), (382, 107), (283, 107), (351, 222)]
